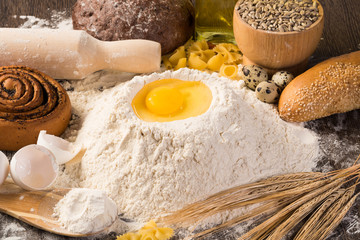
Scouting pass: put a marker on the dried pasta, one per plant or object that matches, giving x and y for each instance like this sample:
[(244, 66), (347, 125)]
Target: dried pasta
[(177, 55), (230, 52), (215, 62), (206, 55), (198, 46), (200, 55), (195, 62), (150, 231), (167, 63), (229, 71), (181, 63), (201, 48)]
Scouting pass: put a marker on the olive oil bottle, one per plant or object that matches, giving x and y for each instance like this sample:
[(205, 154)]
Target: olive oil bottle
[(213, 20)]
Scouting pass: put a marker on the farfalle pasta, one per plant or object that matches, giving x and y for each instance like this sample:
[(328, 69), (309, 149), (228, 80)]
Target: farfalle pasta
[(129, 236), (198, 46), (201, 49), (230, 52), (150, 231)]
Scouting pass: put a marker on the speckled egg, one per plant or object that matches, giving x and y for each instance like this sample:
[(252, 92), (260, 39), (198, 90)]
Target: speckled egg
[(282, 78), (253, 75), (268, 92)]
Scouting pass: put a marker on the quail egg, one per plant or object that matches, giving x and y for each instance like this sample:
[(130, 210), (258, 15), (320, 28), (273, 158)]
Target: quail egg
[(4, 167), (268, 91), (282, 78), (253, 75)]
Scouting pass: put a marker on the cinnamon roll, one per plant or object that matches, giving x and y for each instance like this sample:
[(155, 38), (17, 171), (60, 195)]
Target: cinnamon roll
[(30, 101)]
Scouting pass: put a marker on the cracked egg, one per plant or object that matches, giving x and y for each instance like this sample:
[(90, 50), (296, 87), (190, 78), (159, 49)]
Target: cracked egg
[(167, 100)]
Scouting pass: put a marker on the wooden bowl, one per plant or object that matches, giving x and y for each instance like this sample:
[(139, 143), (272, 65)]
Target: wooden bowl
[(277, 50)]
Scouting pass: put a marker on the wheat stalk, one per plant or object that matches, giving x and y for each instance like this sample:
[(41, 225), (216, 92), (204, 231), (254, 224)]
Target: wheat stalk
[(283, 213), (316, 217), (243, 196), (265, 209), (326, 224), (341, 214), (285, 199), (300, 213)]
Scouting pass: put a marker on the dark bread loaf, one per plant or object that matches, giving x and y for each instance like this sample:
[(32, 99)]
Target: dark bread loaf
[(169, 22), (330, 87)]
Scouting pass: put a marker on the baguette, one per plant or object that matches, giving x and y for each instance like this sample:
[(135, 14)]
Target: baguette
[(330, 87)]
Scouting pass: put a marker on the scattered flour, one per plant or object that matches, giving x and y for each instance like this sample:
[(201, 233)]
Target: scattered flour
[(11, 231), (85, 211), (149, 168), (58, 20)]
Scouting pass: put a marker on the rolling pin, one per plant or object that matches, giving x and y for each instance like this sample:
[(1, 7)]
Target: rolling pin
[(74, 54)]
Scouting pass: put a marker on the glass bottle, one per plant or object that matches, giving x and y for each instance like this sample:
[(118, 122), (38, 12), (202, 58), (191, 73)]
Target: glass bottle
[(214, 20)]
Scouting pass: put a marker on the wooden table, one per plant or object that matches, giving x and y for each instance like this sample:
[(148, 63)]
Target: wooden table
[(341, 35)]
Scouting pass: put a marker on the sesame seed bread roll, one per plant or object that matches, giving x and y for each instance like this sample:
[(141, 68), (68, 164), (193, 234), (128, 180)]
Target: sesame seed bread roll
[(330, 87)]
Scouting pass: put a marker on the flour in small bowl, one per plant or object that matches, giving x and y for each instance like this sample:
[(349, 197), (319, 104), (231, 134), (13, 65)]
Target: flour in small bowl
[(149, 168)]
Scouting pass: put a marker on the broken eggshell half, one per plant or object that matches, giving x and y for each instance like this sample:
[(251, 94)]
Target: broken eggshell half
[(4, 167), (63, 150), (34, 167)]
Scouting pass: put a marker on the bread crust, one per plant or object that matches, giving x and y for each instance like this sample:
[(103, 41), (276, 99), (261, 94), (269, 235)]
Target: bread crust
[(169, 22), (330, 87)]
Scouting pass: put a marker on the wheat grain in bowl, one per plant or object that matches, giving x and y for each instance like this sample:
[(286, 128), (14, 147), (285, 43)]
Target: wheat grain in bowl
[(279, 16)]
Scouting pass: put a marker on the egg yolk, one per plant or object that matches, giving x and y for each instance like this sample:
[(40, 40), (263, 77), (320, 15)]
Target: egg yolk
[(168, 100), (164, 100)]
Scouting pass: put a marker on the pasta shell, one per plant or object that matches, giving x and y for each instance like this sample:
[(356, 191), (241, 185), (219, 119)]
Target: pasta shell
[(215, 62), (195, 62)]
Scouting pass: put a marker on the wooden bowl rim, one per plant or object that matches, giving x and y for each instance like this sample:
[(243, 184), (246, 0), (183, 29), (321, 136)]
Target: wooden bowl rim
[(320, 19)]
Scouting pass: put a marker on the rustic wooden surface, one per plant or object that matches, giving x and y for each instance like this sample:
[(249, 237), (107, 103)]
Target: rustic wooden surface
[(341, 142)]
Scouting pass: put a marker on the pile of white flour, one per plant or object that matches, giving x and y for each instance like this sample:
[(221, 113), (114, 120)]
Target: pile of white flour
[(149, 168), (85, 211)]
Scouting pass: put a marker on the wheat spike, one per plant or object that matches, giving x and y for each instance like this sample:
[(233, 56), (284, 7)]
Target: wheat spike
[(326, 224), (200, 210), (334, 185), (265, 209), (338, 218), (300, 214), (285, 199), (293, 177), (315, 218)]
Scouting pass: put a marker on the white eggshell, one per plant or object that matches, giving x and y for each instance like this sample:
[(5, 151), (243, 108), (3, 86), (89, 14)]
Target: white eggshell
[(4, 167), (34, 167), (63, 150)]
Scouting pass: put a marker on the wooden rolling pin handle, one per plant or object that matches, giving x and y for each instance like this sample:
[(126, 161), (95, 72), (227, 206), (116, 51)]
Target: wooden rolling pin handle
[(130, 55), (74, 54)]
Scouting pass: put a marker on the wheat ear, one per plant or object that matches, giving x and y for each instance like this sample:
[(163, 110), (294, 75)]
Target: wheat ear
[(200, 210), (288, 210), (313, 221)]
